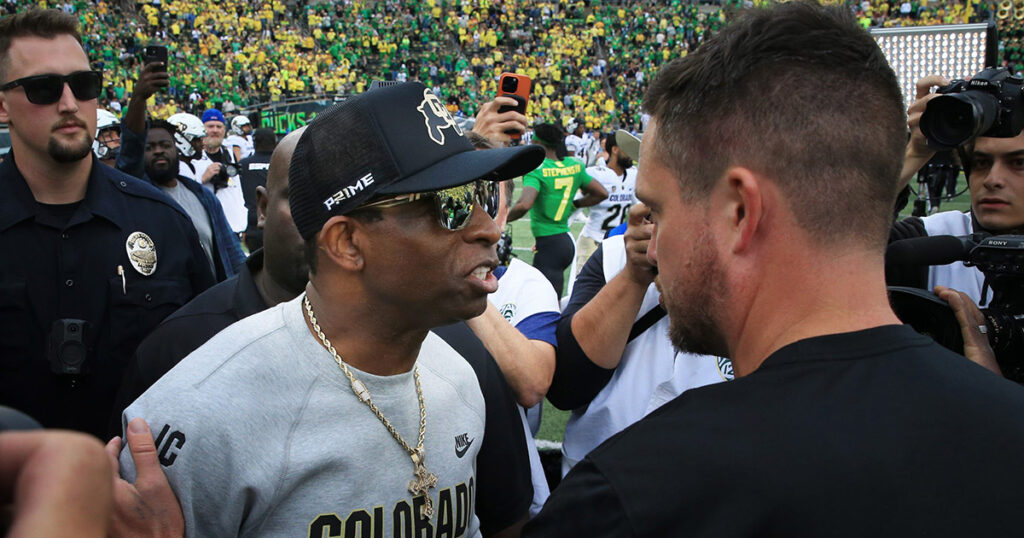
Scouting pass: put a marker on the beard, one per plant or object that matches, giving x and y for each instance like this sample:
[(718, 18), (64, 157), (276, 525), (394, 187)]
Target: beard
[(695, 303), (212, 144), (625, 162), (69, 152), (163, 176)]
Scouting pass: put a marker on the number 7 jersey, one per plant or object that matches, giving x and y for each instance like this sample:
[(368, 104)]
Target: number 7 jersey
[(556, 183), (614, 210)]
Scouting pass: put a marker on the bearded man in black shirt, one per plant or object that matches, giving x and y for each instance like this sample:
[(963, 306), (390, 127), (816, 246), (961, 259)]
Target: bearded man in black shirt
[(841, 421)]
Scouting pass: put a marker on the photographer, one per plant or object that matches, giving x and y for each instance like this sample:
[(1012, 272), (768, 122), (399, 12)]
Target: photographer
[(219, 171), (994, 167), (983, 123)]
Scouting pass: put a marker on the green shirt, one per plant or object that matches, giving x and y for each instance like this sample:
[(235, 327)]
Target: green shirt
[(556, 183)]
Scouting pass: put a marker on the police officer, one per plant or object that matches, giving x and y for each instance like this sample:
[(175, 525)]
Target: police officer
[(92, 259), (253, 172)]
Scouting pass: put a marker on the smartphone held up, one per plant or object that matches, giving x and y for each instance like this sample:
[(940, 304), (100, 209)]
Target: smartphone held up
[(517, 87)]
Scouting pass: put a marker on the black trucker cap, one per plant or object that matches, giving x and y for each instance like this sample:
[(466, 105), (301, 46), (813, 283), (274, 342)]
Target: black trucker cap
[(396, 139)]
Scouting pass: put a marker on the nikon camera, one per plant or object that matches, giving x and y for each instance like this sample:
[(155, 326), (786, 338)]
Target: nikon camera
[(990, 104)]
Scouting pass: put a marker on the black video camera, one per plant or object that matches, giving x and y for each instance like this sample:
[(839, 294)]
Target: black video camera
[(67, 347), (990, 104), (1001, 259)]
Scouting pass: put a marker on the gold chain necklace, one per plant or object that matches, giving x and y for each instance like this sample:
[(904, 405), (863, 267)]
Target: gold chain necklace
[(424, 480)]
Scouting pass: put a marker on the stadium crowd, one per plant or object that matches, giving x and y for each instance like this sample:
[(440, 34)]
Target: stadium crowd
[(590, 60), (587, 61)]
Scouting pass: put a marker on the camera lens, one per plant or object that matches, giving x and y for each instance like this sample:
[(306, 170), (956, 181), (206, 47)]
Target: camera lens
[(950, 120), (509, 84), (231, 169), (72, 357)]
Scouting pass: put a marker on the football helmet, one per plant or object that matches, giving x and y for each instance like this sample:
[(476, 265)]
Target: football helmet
[(105, 120), (237, 123), (189, 128)]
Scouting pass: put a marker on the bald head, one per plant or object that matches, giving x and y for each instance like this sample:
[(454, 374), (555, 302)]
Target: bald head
[(281, 158), (282, 245)]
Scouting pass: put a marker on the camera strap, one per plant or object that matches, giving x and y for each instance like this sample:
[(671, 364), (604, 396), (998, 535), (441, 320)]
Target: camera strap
[(646, 321)]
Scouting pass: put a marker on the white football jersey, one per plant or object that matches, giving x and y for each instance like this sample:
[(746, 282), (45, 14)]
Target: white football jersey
[(592, 151), (242, 142), (577, 147), (614, 210)]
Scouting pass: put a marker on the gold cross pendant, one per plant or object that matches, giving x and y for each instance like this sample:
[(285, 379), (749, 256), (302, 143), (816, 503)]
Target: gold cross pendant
[(422, 484)]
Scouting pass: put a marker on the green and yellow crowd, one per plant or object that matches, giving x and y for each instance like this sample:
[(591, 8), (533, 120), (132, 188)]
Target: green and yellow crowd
[(588, 59)]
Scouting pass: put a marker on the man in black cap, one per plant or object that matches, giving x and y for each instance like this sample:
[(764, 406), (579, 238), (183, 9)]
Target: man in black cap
[(338, 394), (278, 273)]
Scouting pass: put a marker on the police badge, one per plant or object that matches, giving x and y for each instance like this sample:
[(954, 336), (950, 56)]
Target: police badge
[(141, 253)]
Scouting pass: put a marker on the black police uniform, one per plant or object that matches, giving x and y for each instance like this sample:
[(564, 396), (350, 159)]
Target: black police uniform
[(253, 173), (69, 287)]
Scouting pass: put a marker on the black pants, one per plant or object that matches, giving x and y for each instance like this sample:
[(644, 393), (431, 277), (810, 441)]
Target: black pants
[(554, 254)]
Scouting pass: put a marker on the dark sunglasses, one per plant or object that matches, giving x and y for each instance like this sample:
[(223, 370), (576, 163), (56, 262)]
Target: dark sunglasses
[(454, 205), (47, 89)]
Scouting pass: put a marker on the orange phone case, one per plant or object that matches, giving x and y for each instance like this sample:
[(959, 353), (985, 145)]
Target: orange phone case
[(521, 93)]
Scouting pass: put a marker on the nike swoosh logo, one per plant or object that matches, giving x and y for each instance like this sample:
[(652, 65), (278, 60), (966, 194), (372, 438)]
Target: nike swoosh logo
[(462, 452)]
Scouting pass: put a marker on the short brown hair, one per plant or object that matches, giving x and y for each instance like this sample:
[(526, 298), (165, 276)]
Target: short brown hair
[(45, 23), (797, 92)]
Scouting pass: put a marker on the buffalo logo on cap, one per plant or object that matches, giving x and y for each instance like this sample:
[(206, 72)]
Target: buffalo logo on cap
[(436, 117)]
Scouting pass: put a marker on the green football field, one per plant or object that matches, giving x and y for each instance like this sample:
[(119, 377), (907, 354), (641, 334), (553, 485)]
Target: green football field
[(553, 423)]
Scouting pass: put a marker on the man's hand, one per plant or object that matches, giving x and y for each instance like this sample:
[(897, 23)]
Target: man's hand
[(56, 482), (638, 239), (211, 172), (918, 152), (148, 507), (154, 77), (493, 125), (976, 347)]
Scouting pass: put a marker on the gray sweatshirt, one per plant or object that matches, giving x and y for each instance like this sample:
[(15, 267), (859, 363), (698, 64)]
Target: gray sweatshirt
[(260, 434)]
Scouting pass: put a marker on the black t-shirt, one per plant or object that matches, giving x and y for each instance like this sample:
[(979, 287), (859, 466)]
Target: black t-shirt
[(56, 215), (878, 432)]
